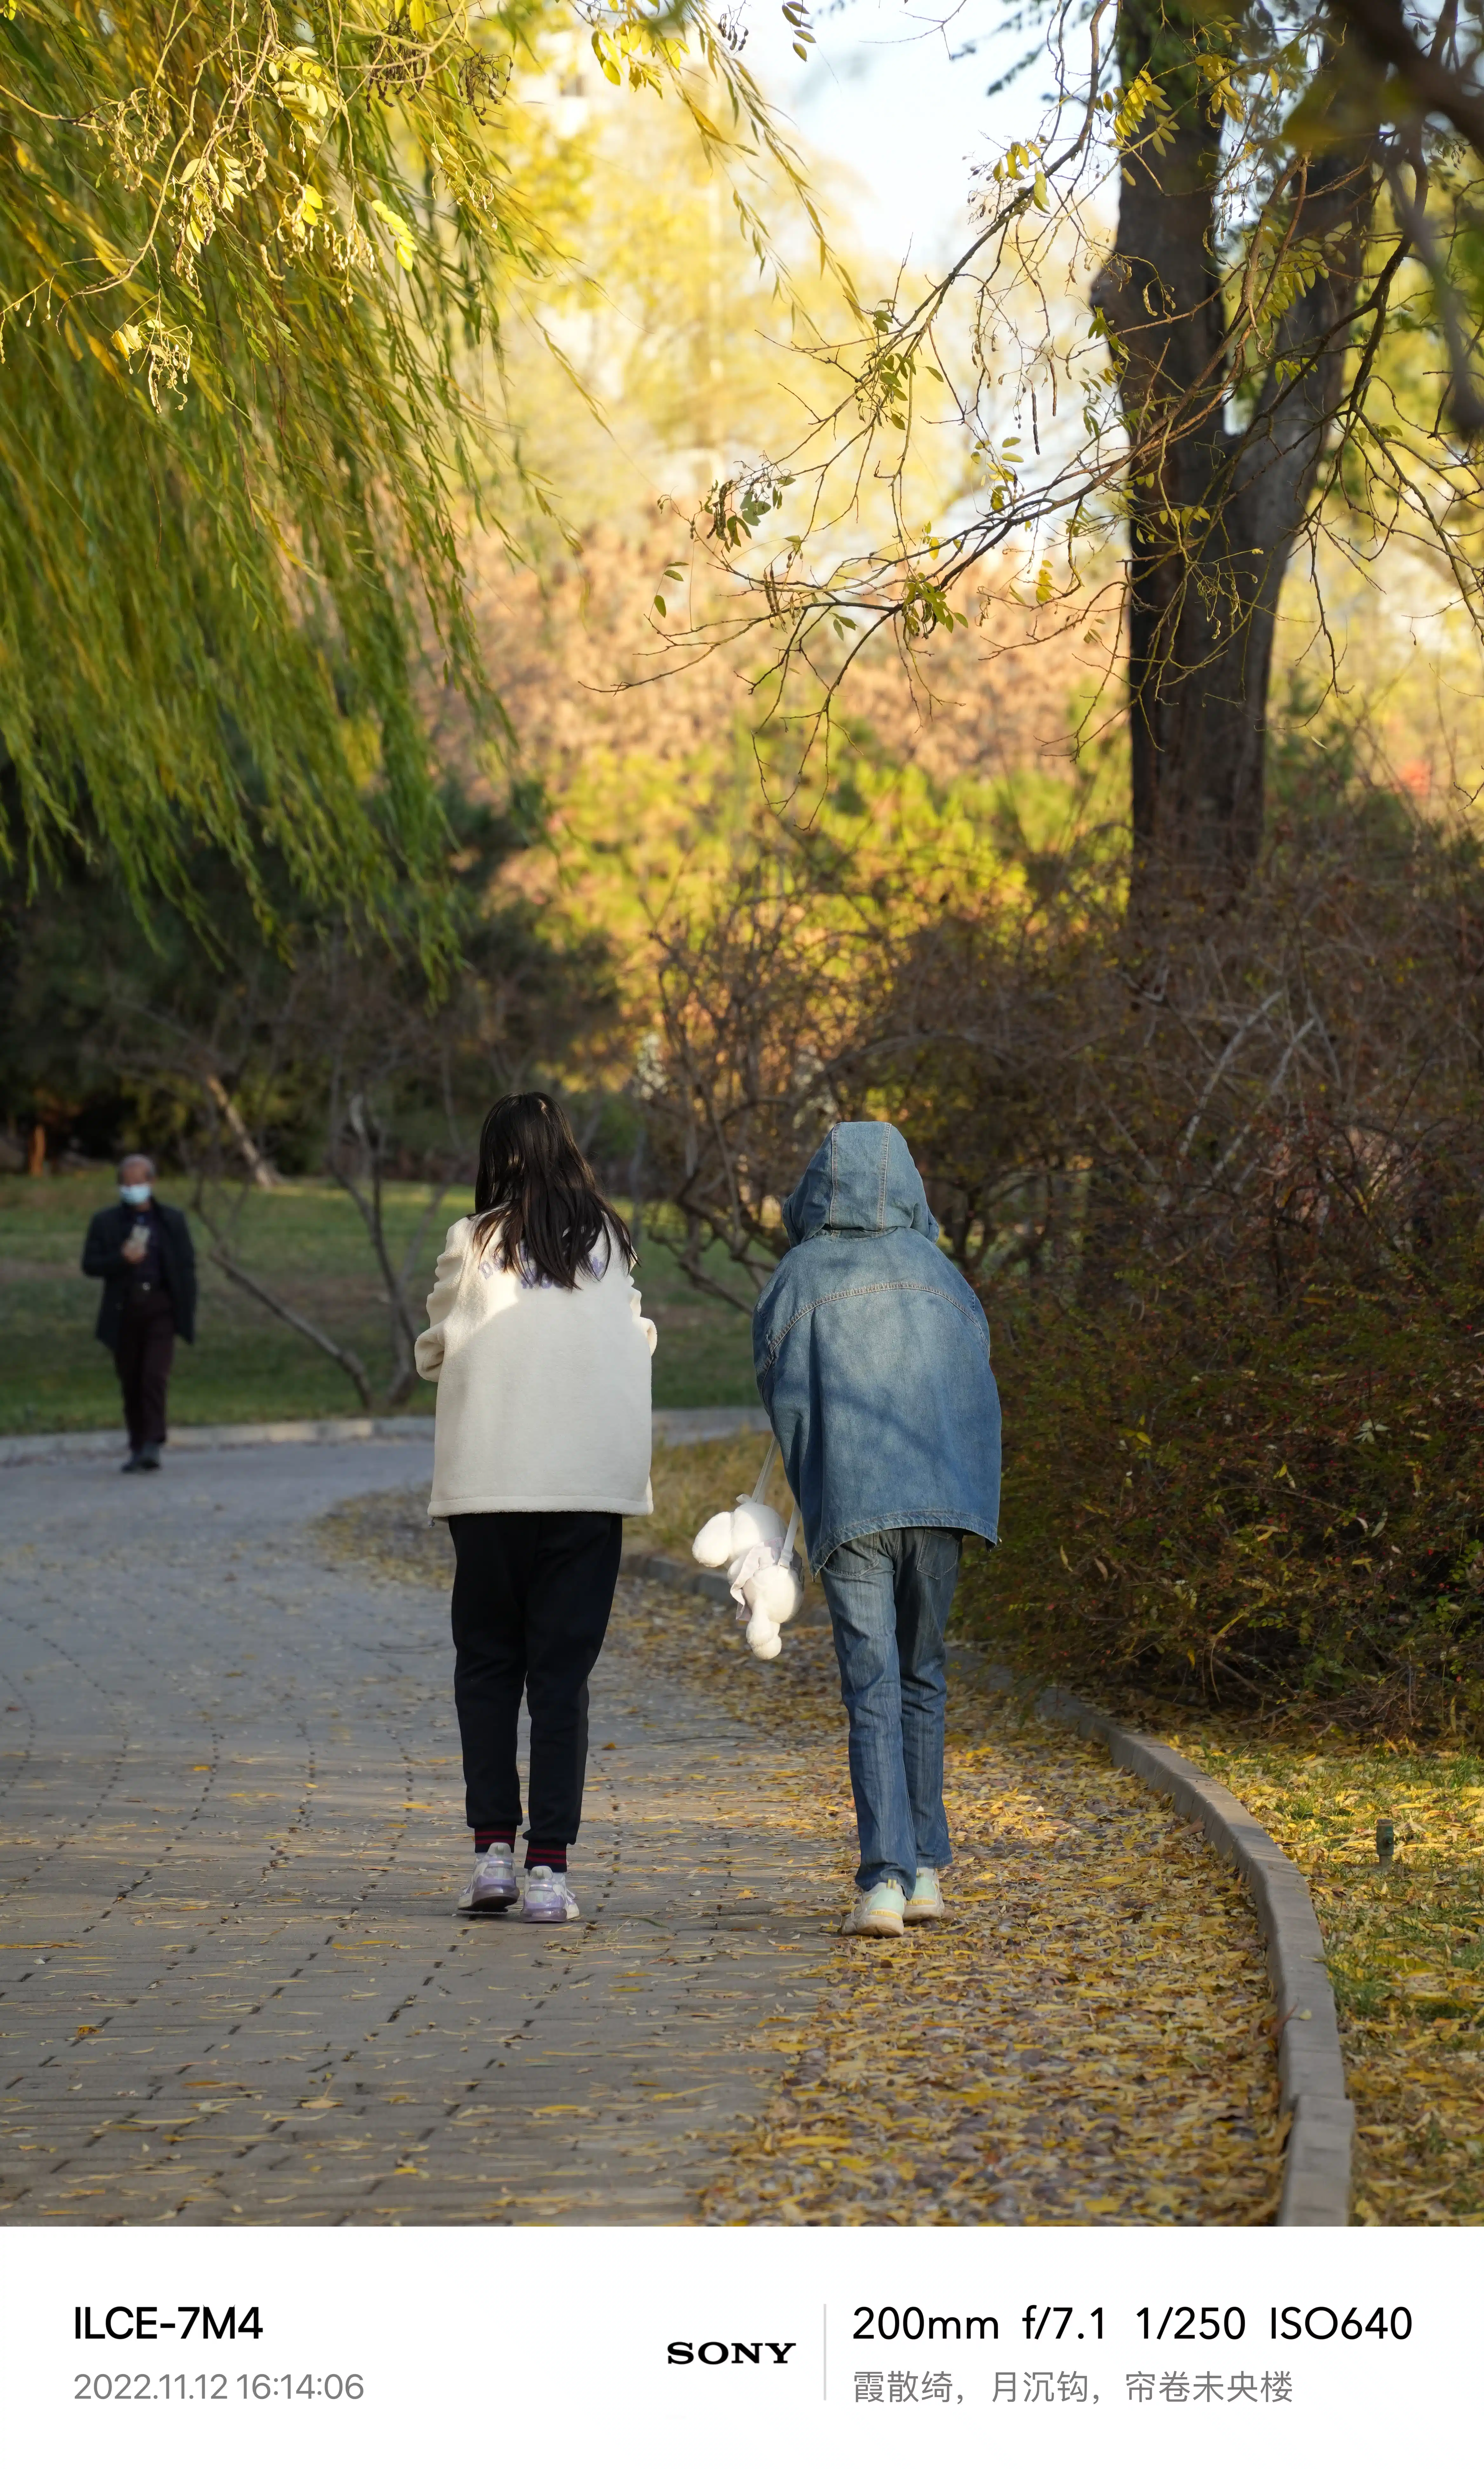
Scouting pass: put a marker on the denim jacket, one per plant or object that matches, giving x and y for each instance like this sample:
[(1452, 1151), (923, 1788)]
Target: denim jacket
[(872, 1354)]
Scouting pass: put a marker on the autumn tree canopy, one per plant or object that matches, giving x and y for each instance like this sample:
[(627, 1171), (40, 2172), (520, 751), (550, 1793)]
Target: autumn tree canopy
[(1221, 304)]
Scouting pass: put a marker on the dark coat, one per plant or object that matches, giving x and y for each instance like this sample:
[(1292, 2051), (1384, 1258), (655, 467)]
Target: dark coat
[(103, 1256)]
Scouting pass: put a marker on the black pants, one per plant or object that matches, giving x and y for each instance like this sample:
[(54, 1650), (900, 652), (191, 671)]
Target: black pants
[(531, 1601), (143, 1353)]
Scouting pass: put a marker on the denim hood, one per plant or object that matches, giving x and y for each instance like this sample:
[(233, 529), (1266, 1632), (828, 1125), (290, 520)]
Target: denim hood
[(872, 1355), (861, 1181)]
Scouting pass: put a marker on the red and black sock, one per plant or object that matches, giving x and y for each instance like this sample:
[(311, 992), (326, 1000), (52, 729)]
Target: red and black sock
[(486, 1836), (547, 1856)]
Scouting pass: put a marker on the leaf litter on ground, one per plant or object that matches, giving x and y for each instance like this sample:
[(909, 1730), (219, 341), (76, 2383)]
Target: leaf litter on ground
[(1089, 2037)]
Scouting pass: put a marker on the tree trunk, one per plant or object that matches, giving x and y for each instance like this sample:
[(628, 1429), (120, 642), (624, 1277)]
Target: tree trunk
[(1214, 513)]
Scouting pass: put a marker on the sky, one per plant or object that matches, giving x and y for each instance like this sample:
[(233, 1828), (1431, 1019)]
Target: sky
[(896, 94)]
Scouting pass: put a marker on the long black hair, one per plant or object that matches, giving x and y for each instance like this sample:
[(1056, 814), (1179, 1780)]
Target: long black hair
[(535, 1195)]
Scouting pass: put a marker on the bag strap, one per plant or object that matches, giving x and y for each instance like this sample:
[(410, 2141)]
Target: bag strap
[(761, 1487)]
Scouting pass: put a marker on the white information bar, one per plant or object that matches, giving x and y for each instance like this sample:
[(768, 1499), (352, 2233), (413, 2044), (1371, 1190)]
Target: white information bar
[(707, 2348)]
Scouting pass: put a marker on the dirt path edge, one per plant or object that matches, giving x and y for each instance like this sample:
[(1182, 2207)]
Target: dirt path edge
[(1310, 2068), (676, 1425)]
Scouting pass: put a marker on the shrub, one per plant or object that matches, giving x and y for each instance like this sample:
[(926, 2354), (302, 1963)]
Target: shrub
[(1219, 1176), (1211, 1500)]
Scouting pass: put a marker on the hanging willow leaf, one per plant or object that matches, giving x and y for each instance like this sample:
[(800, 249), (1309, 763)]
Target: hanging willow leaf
[(247, 267)]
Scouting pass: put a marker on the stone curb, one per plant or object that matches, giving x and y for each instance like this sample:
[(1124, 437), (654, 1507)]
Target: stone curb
[(678, 1425), (1310, 2068), (636, 1563), (24, 1448)]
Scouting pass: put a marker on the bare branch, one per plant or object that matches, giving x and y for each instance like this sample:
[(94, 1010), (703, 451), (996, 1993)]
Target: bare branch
[(349, 1362)]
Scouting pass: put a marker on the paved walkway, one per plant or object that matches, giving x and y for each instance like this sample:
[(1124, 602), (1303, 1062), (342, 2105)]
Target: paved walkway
[(231, 1984)]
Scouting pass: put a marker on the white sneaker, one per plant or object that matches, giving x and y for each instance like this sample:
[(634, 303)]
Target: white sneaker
[(876, 1914), (926, 1900), (492, 1887), (547, 1897)]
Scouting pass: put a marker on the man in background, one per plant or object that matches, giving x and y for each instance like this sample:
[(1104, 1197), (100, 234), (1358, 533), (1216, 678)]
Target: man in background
[(143, 1252)]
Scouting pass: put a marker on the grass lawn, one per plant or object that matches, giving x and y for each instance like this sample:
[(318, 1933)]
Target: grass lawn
[(691, 1483), (1404, 1942), (307, 1241)]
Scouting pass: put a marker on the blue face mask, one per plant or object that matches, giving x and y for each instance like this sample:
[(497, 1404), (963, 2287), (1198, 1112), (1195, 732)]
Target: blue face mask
[(135, 1193)]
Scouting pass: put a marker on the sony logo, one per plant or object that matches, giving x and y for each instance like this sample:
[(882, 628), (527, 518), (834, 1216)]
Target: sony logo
[(728, 2353)]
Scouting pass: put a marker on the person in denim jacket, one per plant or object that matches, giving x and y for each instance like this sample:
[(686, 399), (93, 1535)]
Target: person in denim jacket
[(872, 1355)]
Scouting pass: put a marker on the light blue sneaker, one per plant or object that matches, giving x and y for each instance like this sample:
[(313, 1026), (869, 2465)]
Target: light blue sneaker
[(926, 1900), (878, 1913)]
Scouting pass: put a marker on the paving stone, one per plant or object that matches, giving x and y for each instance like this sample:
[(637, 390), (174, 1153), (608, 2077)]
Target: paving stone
[(232, 1986)]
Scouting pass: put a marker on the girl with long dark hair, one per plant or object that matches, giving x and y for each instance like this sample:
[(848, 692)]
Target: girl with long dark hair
[(541, 1450)]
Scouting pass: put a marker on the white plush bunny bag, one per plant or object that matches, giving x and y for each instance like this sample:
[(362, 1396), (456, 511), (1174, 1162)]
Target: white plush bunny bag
[(750, 1542)]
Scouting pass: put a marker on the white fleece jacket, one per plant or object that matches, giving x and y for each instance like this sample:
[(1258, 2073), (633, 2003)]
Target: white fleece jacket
[(543, 1394)]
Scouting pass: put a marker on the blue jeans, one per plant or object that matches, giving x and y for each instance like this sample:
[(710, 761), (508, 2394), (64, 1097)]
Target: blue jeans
[(889, 1598)]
